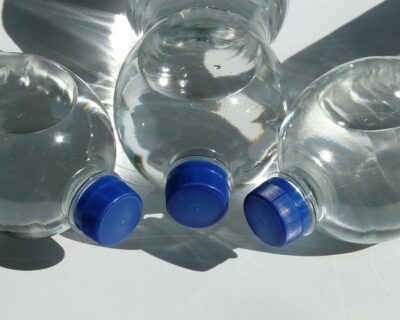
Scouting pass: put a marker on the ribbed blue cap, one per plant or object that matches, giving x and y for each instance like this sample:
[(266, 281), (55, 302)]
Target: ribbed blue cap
[(277, 212), (108, 211), (197, 193)]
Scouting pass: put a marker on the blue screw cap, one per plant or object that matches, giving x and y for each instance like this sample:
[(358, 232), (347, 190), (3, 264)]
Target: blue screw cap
[(197, 193), (277, 212), (108, 211)]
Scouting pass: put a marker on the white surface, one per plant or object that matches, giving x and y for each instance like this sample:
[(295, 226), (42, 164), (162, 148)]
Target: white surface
[(310, 20), (96, 283)]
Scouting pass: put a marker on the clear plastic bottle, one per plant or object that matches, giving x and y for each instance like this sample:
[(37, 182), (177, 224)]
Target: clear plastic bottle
[(338, 155), (57, 153), (265, 16), (198, 103)]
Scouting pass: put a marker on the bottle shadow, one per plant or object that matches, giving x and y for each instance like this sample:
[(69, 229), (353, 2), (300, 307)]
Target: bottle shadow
[(204, 249), (29, 254), (91, 37)]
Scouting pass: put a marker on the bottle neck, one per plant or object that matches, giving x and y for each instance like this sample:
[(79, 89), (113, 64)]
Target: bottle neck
[(304, 188), (84, 182), (208, 156), (281, 210), (105, 209)]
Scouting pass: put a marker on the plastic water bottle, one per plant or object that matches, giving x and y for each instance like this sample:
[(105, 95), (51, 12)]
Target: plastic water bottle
[(265, 16), (198, 103), (57, 153), (338, 157)]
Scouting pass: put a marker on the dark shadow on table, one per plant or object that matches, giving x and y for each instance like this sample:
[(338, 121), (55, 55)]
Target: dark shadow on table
[(77, 34), (202, 250), (29, 254)]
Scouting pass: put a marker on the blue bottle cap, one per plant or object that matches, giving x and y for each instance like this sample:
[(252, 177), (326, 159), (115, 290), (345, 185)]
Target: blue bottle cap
[(108, 211), (277, 212), (197, 193)]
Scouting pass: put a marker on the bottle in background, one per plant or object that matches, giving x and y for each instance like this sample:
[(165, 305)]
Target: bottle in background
[(265, 16)]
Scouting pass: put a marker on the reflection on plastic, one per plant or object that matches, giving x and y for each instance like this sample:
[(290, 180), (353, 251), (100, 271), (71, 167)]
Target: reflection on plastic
[(90, 37)]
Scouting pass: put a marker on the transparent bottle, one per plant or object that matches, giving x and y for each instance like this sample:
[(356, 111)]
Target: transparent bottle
[(265, 16), (338, 155), (198, 103), (57, 153)]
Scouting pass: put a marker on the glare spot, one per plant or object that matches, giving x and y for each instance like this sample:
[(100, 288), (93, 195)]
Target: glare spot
[(183, 83), (397, 94), (25, 81), (235, 100), (163, 82), (153, 215), (59, 139), (318, 162), (121, 38), (326, 155)]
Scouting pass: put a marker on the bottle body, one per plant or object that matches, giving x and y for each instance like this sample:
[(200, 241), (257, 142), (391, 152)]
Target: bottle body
[(266, 16), (196, 86), (55, 136), (349, 156), (201, 87), (341, 142)]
